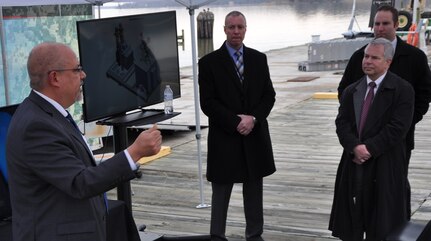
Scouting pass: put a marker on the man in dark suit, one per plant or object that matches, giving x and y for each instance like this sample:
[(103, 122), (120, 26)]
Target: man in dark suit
[(56, 188), (409, 62), (369, 192), (237, 95)]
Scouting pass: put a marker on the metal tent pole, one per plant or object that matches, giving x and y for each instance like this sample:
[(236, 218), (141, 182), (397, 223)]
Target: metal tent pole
[(98, 3), (3, 54), (197, 109), (415, 12), (192, 9)]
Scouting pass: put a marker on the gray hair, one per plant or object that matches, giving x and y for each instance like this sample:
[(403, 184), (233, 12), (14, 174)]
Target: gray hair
[(43, 58), (235, 14), (387, 45)]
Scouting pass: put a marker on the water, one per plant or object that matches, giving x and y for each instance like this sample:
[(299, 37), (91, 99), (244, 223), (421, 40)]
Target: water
[(168, 97), (269, 26)]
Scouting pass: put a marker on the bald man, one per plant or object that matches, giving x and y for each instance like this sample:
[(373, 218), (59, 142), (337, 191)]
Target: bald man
[(56, 188)]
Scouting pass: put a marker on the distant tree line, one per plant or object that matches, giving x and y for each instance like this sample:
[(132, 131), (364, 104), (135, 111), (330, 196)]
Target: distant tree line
[(172, 3)]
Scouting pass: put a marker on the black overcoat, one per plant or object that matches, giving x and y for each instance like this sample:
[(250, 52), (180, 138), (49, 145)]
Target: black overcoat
[(384, 134), (411, 64), (232, 157)]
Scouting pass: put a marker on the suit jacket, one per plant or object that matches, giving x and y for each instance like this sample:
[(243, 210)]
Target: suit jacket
[(56, 188), (409, 63), (388, 122), (233, 157)]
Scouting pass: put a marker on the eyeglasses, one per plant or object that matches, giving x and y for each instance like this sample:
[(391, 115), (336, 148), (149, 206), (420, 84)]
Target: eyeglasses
[(76, 70)]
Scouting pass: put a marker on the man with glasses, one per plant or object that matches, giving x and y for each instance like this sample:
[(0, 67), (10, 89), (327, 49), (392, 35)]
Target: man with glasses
[(56, 188)]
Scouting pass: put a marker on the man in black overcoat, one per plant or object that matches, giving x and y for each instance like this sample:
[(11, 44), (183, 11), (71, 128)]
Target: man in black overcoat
[(369, 192), (409, 62), (237, 95)]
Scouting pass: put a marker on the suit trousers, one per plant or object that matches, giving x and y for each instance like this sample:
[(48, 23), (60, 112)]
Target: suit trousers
[(253, 209)]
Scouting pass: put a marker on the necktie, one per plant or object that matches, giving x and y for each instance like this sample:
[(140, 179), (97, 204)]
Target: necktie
[(72, 121), (366, 106), (239, 65)]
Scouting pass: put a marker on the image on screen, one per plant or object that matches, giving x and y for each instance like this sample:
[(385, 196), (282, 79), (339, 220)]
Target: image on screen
[(128, 61)]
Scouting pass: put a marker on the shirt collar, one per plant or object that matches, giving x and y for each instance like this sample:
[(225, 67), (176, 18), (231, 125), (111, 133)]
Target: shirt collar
[(232, 51), (394, 43), (378, 81), (53, 102)]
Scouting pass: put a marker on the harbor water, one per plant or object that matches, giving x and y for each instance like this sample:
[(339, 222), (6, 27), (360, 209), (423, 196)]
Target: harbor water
[(269, 25)]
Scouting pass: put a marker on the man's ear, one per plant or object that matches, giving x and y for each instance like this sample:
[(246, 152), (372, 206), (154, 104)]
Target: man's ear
[(53, 79), (389, 61), (396, 24)]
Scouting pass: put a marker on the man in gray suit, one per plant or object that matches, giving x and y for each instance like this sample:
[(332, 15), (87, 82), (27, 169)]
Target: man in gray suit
[(56, 188)]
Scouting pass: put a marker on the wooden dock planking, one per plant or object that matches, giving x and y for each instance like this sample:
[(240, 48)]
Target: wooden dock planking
[(298, 197)]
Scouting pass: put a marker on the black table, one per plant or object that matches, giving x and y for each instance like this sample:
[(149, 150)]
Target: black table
[(120, 225), (6, 230)]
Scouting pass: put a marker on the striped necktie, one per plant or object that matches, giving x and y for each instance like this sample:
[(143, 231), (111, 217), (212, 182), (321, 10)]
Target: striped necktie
[(239, 65)]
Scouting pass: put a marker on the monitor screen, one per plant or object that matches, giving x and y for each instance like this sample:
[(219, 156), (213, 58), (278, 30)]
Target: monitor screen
[(128, 61)]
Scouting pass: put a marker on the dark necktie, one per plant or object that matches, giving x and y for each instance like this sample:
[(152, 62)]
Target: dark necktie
[(72, 121), (239, 65), (366, 106)]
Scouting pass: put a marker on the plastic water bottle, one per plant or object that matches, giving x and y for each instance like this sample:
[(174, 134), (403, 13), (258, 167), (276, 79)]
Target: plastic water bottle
[(168, 98)]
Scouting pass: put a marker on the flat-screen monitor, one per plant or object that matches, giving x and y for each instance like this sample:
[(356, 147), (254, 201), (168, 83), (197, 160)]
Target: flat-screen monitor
[(128, 61)]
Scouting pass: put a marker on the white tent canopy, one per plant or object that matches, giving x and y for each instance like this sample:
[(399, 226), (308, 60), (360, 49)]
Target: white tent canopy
[(39, 2), (9, 3)]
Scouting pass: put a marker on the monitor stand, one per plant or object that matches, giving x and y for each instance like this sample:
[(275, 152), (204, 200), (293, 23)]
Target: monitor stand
[(141, 117), (120, 124)]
